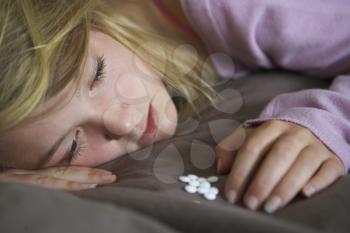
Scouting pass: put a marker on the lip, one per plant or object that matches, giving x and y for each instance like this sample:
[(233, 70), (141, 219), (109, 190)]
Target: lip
[(149, 134)]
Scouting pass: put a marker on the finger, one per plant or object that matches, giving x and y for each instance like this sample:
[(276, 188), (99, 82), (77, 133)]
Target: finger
[(278, 160), (46, 181), (307, 163), (73, 173), (329, 172), (224, 160), (248, 157), (228, 147), (80, 174)]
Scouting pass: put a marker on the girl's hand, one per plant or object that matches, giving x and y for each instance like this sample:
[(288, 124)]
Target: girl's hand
[(68, 178), (277, 159)]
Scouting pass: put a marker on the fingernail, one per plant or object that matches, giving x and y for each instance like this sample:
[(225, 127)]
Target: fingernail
[(109, 177), (309, 190), (218, 166), (231, 196), (273, 204), (252, 202), (92, 185), (102, 172)]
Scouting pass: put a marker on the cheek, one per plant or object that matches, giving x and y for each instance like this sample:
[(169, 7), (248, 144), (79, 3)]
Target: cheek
[(167, 115), (100, 150)]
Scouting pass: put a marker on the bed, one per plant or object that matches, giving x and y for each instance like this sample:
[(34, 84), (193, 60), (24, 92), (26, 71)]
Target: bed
[(148, 196)]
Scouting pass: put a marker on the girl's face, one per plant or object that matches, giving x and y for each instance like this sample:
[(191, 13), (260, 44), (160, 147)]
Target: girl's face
[(121, 106)]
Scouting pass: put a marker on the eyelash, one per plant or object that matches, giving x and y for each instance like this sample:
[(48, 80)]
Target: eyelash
[(78, 148), (77, 145), (100, 71)]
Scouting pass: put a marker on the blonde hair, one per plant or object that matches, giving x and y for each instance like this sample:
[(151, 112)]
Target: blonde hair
[(43, 46)]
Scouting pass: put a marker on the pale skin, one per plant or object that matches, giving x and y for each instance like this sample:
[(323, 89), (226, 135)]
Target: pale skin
[(275, 161), (276, 158), (104, 120)]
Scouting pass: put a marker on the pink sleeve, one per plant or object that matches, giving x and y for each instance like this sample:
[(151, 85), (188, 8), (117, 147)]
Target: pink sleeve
[(326, 113), (307, 36)]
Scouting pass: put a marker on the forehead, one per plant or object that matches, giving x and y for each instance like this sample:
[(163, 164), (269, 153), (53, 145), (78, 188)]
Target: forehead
[(24, 145), (98, 41)]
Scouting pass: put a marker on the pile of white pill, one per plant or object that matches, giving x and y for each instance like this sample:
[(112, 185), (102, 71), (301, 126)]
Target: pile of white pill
[(201, 185)]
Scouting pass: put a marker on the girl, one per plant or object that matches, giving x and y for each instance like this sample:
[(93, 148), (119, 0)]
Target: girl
[(92, 86)]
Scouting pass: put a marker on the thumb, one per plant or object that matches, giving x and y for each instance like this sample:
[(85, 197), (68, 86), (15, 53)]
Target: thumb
[(224, 160)]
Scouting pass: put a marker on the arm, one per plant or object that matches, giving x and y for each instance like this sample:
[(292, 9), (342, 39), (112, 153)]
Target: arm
[(67, 178), (325, 112), (311, 36), (293, 36), (300, 142)]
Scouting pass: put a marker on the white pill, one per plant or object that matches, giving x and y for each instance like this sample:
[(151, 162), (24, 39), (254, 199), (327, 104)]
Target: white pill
[(201, 179), (194, 183), (214, 190), (202, 190), (192, 177), (184, 179), (210, 196), (213, 179), (190, 189), (205, 184)]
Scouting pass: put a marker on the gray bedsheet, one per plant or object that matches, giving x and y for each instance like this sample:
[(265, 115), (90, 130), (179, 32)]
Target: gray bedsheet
[(148, 198)]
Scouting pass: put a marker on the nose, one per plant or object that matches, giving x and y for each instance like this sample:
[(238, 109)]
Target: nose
[(123, 120)]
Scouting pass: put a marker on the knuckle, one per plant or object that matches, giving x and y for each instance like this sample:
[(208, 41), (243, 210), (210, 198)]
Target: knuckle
[(289, 187), (238, 174), (260, 189), (262, 185), (336, 160), (303, 133), (249, 148), (292, 139), (72, 185), (56, 171), (311, 154), (293, 182), (284, 160), (218, 149), (269, 123), (228, 144), (237, 179), (274, 124), (280, 150), (61, 171), (40, 179), (222, 152), (336, 166), (91, 172), (286, 144)]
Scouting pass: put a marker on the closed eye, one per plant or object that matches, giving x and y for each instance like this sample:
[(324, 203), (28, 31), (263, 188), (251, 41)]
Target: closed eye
[(99, 73)]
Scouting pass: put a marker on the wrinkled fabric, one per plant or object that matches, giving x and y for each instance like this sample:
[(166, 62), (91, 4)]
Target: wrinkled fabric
[(310, 36)]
